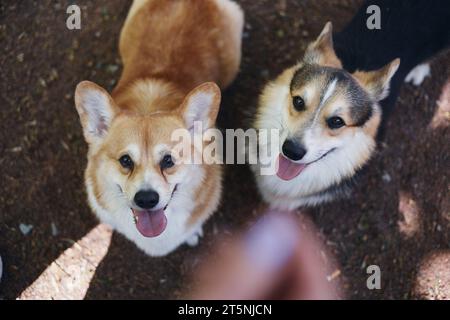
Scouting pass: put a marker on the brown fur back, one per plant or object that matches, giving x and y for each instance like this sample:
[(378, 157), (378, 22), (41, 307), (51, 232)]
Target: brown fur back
[(182, 42)]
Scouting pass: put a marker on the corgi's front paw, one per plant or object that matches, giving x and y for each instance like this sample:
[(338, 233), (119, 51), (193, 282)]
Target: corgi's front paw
[(194, 239)]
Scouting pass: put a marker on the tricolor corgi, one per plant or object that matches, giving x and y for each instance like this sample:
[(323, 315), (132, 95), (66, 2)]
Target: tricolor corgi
[(173, 53), (330, 107), (327, 120)]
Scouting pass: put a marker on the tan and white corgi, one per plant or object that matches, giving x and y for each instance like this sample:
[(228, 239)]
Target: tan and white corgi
[(327, 119), (173, 51)]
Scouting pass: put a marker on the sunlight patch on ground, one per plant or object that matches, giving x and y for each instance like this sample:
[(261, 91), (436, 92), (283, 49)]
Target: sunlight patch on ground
[(433, 278), (409, 223), (69, 276), (441, 116)]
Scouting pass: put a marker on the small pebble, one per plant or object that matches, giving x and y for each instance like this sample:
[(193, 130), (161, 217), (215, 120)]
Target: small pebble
[(20, 57), (21, 36), (71, 56), (25, 228), (55, 231), (65, 145), (386, 177), (32, 123), (334, 275), (53, 75), (112, 68), (42, 83)]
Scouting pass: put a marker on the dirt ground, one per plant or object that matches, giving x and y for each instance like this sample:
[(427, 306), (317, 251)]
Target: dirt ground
[(398, 217)]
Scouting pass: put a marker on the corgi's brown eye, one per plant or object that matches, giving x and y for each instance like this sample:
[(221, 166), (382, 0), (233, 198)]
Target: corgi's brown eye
[(167, 162), (299, 103), (126, 162), (335, 122)]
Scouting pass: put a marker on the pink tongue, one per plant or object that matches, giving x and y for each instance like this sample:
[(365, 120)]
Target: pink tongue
[(150, 223), (288, 170)]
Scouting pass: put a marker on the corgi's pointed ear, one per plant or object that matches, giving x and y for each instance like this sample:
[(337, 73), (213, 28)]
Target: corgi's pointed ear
[(201, 104), (96, 109), (321, 51), (377, 82)]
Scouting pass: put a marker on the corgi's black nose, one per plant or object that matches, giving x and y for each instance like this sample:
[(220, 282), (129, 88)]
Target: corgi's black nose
[(293, 150), (146, 199)]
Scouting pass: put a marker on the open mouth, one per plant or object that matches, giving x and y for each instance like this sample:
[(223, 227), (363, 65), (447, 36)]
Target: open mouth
[(151, 223), (288, 170)]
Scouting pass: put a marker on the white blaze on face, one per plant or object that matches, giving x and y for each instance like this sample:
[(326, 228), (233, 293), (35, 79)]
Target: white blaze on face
[(152, 179), (313, 140), (329, 91)]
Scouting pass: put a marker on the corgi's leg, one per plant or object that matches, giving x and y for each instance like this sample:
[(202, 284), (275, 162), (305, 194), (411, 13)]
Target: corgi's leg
[(194, 239), (233, 18)]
